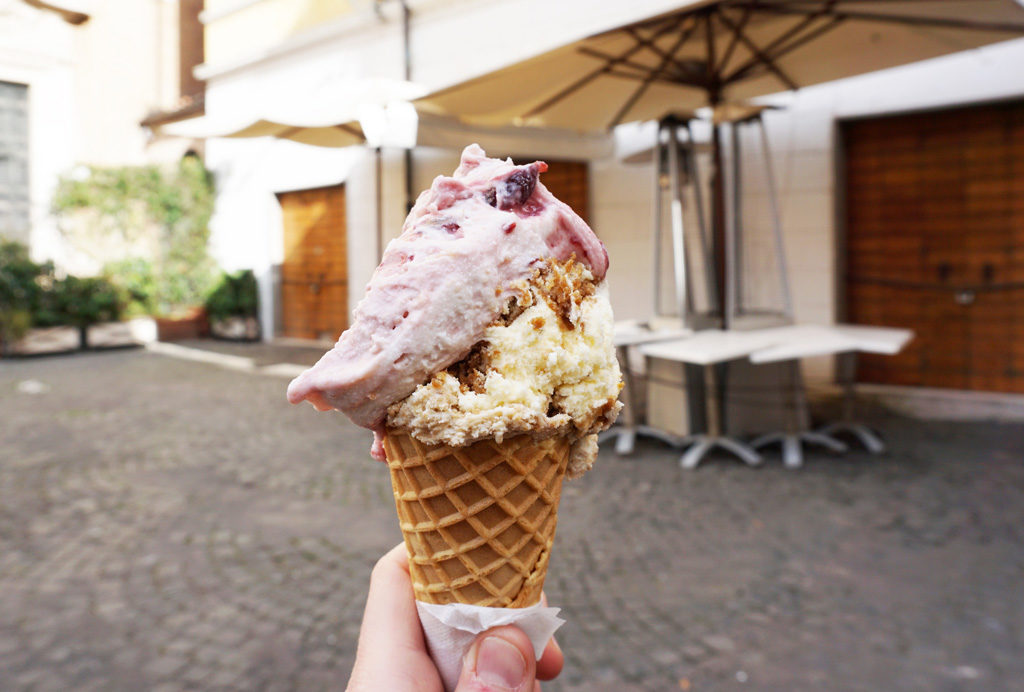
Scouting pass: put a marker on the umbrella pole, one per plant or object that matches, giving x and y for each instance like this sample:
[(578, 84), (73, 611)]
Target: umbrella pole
[(656, 259), (733, 247), (720, 371), (718, 224)]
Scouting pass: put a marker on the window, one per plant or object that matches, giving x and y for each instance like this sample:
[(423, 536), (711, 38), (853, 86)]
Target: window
[(14, 220)]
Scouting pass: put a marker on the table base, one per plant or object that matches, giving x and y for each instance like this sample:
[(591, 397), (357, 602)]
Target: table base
[(792, 445), (865, 435), (625, 437), (702, 444)]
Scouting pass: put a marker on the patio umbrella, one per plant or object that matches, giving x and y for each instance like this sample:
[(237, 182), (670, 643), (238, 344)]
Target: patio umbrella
[(373, 111), (343, 134), (708, 53), (713, 53)]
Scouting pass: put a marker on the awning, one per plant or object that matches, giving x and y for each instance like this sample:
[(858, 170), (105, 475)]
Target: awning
[(338, 115)]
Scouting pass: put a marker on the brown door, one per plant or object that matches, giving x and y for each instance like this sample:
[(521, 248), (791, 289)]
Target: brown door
[(314, 274), (935, 242), (569, 182)]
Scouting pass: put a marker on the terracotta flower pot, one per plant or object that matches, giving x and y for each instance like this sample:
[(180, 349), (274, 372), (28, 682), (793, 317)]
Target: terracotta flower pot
[(191, 325)]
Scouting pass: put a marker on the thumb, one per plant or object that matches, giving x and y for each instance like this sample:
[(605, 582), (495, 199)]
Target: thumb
[(500, 660)]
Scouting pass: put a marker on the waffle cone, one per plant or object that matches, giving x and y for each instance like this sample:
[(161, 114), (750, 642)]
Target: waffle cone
[(479, 520)]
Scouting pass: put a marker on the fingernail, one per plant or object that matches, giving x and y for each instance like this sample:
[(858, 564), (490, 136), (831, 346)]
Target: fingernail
[(500, 664)]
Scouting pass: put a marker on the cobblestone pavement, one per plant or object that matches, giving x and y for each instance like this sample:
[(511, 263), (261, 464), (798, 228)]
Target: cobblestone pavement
[(262, 354), (169, 525)]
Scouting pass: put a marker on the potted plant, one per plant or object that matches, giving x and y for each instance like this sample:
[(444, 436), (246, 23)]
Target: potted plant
[(232, 307)]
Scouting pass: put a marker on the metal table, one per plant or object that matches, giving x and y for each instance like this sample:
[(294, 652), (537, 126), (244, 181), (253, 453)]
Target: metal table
[(843, 341), (628, 335), (706, 349)]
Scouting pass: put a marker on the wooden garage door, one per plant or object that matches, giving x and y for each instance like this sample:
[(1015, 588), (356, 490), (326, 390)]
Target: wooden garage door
[(935, 242), (314, 274)]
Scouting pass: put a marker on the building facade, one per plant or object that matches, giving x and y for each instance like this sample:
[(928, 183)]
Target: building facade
[(308, 220), (76, 80)]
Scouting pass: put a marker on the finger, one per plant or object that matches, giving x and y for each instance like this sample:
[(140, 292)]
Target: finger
[(500, 660), (551, 661), (391, 653), (390, 618)]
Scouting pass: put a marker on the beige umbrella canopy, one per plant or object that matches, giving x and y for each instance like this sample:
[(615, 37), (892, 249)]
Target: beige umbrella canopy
[(340, 135), (714, 52), (373, 111)]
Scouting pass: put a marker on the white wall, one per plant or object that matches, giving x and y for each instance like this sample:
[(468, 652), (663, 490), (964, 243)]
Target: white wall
[(36, 50), (621, 200), (88, 88)]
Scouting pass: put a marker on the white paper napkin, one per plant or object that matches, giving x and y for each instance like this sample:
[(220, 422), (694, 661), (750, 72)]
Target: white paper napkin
[(450, 630)]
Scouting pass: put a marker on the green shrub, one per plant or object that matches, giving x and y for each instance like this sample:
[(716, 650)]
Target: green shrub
[(82, 302), (136, 277), (235, 296), (23, 285), (32, 296)]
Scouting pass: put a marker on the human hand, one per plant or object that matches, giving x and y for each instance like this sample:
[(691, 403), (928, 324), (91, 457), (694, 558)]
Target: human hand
[(392, 653)]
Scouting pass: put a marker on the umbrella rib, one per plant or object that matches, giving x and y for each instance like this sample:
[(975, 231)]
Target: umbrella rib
[(655, 73), (713, 85), (653, 47), (662, 79), (765, 59), (586, 50), (785, 36), (910, 20), (744, 70), (832, 23), (586, 79), (747, 11)]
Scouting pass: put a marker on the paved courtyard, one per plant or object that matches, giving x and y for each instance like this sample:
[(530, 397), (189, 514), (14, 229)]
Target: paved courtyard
[(169, 525)]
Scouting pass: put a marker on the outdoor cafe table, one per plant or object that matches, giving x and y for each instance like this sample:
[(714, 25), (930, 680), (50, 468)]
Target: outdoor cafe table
[(789, 343), (844, 341), (628, 335), (708, 348)]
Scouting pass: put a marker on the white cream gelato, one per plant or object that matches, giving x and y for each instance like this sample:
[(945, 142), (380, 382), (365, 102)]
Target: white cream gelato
[(550, 370)]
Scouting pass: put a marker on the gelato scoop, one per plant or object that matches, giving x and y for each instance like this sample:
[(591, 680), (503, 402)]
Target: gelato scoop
[(487, 316)]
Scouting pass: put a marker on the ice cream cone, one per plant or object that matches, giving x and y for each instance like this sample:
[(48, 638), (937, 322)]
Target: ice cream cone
[(478, 520)]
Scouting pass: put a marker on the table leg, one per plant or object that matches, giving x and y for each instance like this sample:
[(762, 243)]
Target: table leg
[(696, 453), (630, 426), (798, 433), (715, 437), (867, 437), (792, 452), (846, 364)]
